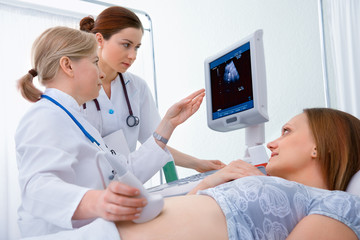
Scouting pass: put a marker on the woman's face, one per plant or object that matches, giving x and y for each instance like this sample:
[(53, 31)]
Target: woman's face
[(119, 52), (87, 78), (293, 153)]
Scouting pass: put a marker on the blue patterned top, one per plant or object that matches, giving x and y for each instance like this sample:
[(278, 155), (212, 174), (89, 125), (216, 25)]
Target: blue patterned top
[(262, 207)]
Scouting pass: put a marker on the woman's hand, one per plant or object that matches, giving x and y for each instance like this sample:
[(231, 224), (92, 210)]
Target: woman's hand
[(236, 169), (184, 109), (180, 112), (118, 202), (187, 161), (208, 165)]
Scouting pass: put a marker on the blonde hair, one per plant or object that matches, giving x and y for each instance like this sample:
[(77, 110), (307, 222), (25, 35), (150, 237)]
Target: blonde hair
[(337, 138), (47, 51)]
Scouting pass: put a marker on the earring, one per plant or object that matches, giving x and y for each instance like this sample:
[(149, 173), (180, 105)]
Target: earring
[(314, 153)]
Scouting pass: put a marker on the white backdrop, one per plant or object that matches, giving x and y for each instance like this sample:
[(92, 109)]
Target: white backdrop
[(189, 31), (185, 33), (342, 35)]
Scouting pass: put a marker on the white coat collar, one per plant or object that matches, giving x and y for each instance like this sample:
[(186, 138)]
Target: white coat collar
[(116, 87), (63, 98)]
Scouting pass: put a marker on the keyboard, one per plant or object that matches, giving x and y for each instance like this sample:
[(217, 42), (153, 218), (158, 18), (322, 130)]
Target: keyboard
[(179, 187), (184, 185)]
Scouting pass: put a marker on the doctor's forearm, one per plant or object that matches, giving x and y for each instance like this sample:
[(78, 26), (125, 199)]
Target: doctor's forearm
[(181, 159), (164, 129), (87, 206)]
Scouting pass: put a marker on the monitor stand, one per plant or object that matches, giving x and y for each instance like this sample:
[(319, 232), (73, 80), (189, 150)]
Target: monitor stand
[(255, 152)]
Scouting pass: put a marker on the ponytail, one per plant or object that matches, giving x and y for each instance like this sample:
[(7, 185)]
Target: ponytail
[(27, 87)]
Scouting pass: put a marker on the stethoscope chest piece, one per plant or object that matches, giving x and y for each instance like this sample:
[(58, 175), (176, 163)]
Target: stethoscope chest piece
[(132, 121)]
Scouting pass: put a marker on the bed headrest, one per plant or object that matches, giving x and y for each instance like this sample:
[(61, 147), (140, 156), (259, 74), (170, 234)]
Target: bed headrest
[(354, 185)]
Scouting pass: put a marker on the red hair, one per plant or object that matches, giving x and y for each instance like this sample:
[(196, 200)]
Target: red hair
[(337, 138), (111, 21)]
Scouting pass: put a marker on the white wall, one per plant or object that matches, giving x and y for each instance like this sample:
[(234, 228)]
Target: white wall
[(186, 32)]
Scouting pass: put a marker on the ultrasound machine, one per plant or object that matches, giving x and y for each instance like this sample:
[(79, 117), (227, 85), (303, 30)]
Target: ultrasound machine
[(236, 97)]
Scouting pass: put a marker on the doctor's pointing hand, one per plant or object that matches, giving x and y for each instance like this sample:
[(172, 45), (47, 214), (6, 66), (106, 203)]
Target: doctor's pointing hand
[(179, 112)]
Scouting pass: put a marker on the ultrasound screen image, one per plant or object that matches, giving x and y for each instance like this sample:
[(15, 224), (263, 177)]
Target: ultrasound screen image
[(231, 82), (231, 74)]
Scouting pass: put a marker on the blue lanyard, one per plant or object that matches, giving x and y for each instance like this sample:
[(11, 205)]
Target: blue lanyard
[(73, 118)]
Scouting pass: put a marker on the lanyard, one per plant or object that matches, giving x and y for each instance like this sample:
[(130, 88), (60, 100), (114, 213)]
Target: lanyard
[(87, 134)]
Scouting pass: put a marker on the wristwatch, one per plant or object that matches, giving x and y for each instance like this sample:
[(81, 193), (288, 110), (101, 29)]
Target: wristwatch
[(160, 138)]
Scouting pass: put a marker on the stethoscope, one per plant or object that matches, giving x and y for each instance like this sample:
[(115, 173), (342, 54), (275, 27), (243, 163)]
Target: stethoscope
[(86, 133), (131, 120)]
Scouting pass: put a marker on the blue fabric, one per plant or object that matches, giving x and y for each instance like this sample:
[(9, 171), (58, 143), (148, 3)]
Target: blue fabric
[(262, 207)]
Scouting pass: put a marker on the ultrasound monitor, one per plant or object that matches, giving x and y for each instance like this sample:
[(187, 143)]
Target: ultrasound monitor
[(236, 98), (235, 82), (236, 95)]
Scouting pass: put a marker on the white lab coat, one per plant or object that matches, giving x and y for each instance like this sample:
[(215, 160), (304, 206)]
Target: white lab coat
[(57, 165), (142, 104), (114, 112)]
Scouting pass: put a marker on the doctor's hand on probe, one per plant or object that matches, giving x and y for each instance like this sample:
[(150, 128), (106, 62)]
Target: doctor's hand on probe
[(118, 202)]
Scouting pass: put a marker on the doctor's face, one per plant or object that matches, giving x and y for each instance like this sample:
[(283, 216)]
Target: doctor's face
[(293, 152), (87, 78), (120, 51)]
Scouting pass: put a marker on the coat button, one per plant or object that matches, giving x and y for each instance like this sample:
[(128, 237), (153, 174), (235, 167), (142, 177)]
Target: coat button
[(111, 111)]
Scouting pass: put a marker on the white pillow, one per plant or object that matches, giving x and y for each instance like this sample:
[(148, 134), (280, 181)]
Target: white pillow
[(354, 185)]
